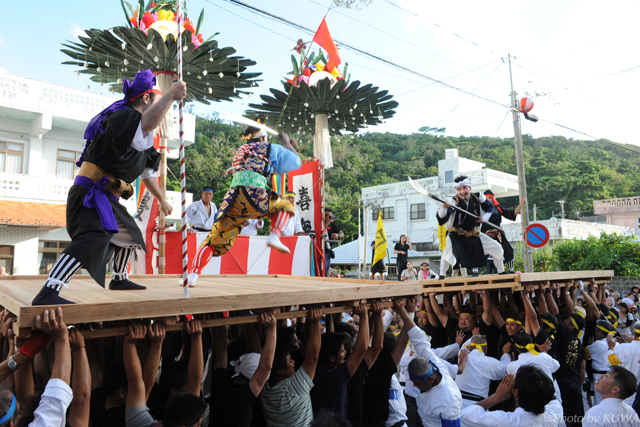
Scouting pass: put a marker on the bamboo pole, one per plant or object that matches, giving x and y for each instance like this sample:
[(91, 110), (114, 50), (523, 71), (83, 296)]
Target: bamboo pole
[(183, 181)]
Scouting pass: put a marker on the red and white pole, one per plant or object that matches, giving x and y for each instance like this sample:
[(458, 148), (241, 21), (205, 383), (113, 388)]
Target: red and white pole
[(183, 182)]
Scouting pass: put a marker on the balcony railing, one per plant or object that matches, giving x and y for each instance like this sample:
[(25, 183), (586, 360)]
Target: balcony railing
[(25, 188), (626, 204), (61, 101)]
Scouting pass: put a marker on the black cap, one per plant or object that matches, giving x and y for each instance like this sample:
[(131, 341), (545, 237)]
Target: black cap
[(373, 243)]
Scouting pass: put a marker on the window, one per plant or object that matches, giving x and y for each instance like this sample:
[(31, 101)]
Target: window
[(48, 253), (11, 157), (638, 222), (425, 247), (418, 211), (6, 258), (387, 213), (66, 165), (448, 176)]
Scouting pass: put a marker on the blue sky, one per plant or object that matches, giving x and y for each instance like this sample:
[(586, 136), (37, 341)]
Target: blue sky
[(573, 53)]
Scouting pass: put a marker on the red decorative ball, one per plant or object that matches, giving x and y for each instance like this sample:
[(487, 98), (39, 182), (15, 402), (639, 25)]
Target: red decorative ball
[(307, 71)]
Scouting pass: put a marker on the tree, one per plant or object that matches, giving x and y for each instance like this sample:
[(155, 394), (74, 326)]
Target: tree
[(608, 252)]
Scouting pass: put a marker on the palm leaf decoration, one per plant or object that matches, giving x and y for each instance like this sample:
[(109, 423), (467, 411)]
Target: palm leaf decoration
[(109, 56), (349, 106)]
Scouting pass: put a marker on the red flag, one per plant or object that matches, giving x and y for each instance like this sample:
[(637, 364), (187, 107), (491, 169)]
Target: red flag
[(324, 40)]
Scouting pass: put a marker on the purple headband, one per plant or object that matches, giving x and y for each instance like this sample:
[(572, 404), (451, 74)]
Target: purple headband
[(142, 83)]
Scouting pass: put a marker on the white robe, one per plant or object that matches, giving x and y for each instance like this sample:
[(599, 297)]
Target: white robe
[(628, 356), (476, 416), (197, 215), (294, 226), (597, 353), (611, 413), (546, 363), (478, 373), (442, 402), (252, 228)]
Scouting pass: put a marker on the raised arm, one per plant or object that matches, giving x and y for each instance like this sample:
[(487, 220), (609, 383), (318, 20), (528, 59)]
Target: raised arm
[(487, 305), (541, 299), (153, 116), (593, 313), (403, 338), (156, 333), (439, 312), (135, 388), (530, 314), (196, 359), (433, 319), (80, 381), (261, 375), (377, 334), (551, 302), (568, 302), (498, 320), (313, 342), (362, 342)]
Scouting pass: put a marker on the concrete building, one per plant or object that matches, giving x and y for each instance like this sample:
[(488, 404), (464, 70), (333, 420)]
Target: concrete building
[(405, 211), (624, 211), (41, 136)]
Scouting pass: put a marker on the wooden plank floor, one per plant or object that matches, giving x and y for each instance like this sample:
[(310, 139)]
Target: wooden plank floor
[(164, 296), (218, 293), (515, 282)]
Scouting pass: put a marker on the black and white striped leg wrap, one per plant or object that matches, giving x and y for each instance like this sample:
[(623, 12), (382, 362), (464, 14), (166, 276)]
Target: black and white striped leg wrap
[(121, 259), (62, 272), (509, 266)]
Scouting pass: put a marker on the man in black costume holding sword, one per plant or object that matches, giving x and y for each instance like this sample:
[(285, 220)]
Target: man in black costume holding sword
[(466, 245)]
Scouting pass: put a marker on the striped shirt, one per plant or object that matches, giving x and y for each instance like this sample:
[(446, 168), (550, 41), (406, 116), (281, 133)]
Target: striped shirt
[(288, 403)]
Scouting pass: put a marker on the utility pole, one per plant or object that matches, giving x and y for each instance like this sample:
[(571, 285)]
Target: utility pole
[(562, 202), (522, 183)]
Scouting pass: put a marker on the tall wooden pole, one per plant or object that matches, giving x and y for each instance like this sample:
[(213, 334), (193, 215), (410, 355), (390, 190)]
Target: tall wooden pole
[(522, 183), (183, 181), (162, 221)]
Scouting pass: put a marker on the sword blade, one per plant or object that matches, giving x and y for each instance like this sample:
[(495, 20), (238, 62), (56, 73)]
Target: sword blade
[(239, 119), (421, 190)]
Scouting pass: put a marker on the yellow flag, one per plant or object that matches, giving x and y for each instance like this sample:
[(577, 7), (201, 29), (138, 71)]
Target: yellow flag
[(381, 241), (442, 236)]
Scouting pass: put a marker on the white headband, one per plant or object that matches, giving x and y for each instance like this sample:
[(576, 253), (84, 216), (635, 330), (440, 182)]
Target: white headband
[(462, 183)]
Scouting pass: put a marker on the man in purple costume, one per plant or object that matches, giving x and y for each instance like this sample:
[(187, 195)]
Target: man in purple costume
[(119, 149)]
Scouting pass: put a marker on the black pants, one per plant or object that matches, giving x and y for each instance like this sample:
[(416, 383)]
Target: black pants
[(401, 268), (571, 392), (413, 418)]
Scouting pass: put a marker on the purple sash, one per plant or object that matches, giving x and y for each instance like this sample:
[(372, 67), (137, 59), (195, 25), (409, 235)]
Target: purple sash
[(96, 198)]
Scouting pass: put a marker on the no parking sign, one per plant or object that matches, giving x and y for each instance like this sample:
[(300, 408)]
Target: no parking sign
[(536, 235)]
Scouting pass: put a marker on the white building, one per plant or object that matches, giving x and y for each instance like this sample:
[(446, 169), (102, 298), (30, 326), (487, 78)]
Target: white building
[(405, 211), (41, 136)]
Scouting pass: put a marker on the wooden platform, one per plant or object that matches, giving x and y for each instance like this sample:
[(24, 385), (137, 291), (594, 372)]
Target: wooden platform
[(515, 282), (213, 294), (218, 293)]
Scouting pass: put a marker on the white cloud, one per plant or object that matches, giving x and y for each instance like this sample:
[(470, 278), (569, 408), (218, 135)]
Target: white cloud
[(76, 30)]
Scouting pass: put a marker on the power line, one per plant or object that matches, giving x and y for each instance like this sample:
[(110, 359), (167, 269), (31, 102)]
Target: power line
[(606, 141), (361, 51), (401, 67), (404, 41), (442, 28), (465, 98), (448, 78), (501, 123)]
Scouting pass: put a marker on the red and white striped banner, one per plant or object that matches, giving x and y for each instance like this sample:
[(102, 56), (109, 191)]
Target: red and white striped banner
[(249, 255)]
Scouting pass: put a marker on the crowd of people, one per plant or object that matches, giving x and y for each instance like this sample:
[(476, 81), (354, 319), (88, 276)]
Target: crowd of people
[(540, 357)]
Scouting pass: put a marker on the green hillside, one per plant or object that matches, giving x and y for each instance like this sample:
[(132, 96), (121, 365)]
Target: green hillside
[(556, 167)]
